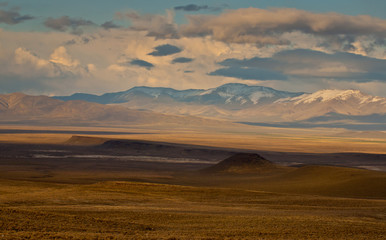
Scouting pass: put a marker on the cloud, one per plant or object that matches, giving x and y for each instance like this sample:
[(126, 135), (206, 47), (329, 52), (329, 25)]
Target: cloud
[(59, 65), (164, 50), (249, 73), (191, 8), (339, 66), (182, 60), (27, 72), (307, 64), (79, 40), (60, 56), (110, 25), (196, 8), (22, 69), (156, 25), (141, 63), (66, 23), (265, 26), (12, 17), (29, 63), (279, 27)]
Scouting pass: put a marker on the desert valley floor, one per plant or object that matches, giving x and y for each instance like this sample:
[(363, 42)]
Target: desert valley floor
[(83, 185)]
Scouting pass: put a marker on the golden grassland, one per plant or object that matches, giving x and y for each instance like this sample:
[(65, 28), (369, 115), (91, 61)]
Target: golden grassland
[(138, 210)]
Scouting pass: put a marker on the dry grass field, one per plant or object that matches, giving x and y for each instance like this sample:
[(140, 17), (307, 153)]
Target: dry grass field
[(137, 210), (87, 189)]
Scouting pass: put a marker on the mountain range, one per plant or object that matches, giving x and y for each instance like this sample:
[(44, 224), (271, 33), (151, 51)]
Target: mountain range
[(252, 105), (21, 108), (255, 105), (230, 95)]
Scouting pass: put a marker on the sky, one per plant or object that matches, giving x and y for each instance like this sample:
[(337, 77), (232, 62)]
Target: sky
[(54, 47)]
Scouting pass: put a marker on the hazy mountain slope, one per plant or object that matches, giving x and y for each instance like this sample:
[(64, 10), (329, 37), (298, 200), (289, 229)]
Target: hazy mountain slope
[(18, 107), (21, 104)]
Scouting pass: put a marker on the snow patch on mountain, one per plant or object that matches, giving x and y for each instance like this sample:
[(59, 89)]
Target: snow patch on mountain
[(333, 94), (256, 96)]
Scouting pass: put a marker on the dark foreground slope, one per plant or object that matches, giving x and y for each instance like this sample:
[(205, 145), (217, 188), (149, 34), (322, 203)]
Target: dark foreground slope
[(311, 180)]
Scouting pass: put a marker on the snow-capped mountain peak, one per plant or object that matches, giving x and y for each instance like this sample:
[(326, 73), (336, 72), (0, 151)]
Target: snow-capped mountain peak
[(331, 94), (237, 93)]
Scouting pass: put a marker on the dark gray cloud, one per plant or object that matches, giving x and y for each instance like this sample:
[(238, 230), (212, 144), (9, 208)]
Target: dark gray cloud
[(340, 65), (70, 42), (164, 50), (182, 60), (12, 17), (191, 8), (110, 25), (307, 64), (79, 40), (264, 63), (196, 8), (142, 63), (85, 40), (248, 73), (66, 23)]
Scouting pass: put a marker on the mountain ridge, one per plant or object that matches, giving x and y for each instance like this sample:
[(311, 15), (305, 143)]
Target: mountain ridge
[(244, 103), (253, 105), (230, 93), (224, 94), (22, 108)]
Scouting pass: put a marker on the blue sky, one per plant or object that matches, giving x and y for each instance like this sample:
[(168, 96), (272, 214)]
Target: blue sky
[(61, 47), (101, 10)]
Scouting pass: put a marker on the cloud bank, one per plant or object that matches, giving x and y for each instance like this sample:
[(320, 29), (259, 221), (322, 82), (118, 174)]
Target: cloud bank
[(306, 64), (264, 26), (361, 34)]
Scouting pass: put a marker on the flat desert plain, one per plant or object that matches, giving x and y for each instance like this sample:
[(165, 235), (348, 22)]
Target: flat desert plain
[(88, 183)]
